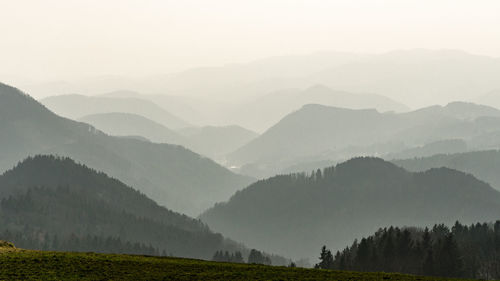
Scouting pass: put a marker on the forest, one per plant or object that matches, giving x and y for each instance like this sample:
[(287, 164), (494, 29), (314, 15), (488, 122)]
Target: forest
[(460, 251)]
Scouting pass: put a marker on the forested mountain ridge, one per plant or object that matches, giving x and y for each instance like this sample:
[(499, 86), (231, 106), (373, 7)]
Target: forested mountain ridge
[(462, 251), (482, 164), (163, 172), (292, 214), (46, 196), (320, 132)]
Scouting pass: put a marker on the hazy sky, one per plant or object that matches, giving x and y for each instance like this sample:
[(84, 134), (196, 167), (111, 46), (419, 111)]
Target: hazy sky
[(63, 39)]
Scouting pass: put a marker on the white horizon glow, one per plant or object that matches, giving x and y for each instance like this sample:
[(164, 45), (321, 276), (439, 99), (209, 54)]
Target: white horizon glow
[(69, 39)]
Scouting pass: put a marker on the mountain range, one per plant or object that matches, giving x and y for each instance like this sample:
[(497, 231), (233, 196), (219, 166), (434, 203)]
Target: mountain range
[(47, 196), (128, 124), (211, 141), (482, 164), (78, 106), (263, 112), (318, 132), (420, 77), (171, 175), (296, 214)]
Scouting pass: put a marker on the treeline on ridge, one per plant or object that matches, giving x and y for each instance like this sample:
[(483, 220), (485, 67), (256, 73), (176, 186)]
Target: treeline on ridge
[(462, 251), (73, 243)]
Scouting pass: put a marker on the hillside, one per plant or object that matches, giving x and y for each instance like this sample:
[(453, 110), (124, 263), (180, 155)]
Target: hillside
[(211, 141), (437, 147), (35, 265), (214, 141), (265, 111), (293, 214), (482, 164), (78, 106), (127, 124), (46, 196), (317, 132), (192, 110), (163, 172)]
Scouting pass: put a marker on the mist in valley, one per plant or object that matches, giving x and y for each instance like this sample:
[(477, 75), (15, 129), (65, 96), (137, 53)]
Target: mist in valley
[(363, 133)]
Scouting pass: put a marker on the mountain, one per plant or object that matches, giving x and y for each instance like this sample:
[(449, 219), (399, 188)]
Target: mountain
[(45, 196), (127, 124), (297, 213), (216, 141), (419, 77), (438, 147), (317, 132), (193, 110), (78, 106), (265, 111), (171, 175), (482, 164)]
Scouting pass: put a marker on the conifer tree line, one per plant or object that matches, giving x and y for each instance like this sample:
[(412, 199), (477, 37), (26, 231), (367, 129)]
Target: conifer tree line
[(462, 251), (255, 257), (225, 256), (74, 243)]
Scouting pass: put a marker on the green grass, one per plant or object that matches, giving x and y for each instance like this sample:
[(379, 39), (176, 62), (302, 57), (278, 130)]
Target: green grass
[(37, 265)]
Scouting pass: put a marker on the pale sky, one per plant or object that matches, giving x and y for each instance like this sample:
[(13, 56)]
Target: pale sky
[(65, 39)]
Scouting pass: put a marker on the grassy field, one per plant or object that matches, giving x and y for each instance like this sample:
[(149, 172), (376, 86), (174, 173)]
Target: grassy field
[(16, 264)]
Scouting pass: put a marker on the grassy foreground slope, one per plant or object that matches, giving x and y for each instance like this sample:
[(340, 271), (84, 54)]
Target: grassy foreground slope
[(17, 264)]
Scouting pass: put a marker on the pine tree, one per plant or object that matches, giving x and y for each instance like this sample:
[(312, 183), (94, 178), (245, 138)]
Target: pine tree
[(326, 259)]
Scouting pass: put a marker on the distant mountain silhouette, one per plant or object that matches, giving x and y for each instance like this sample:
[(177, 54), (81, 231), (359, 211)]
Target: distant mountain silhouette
[(191, 109), (171, 175), (265, 111), (418, 76), (293, 214), (127, 124), (216, 142), (329, 133), (429, 149), (485, 165), (78, 106), (45, 195)]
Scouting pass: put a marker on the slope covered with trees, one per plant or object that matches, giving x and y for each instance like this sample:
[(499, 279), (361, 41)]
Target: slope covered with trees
[(462, 251), (293, 214), (163, 172), (54, 203), (482, 164)]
